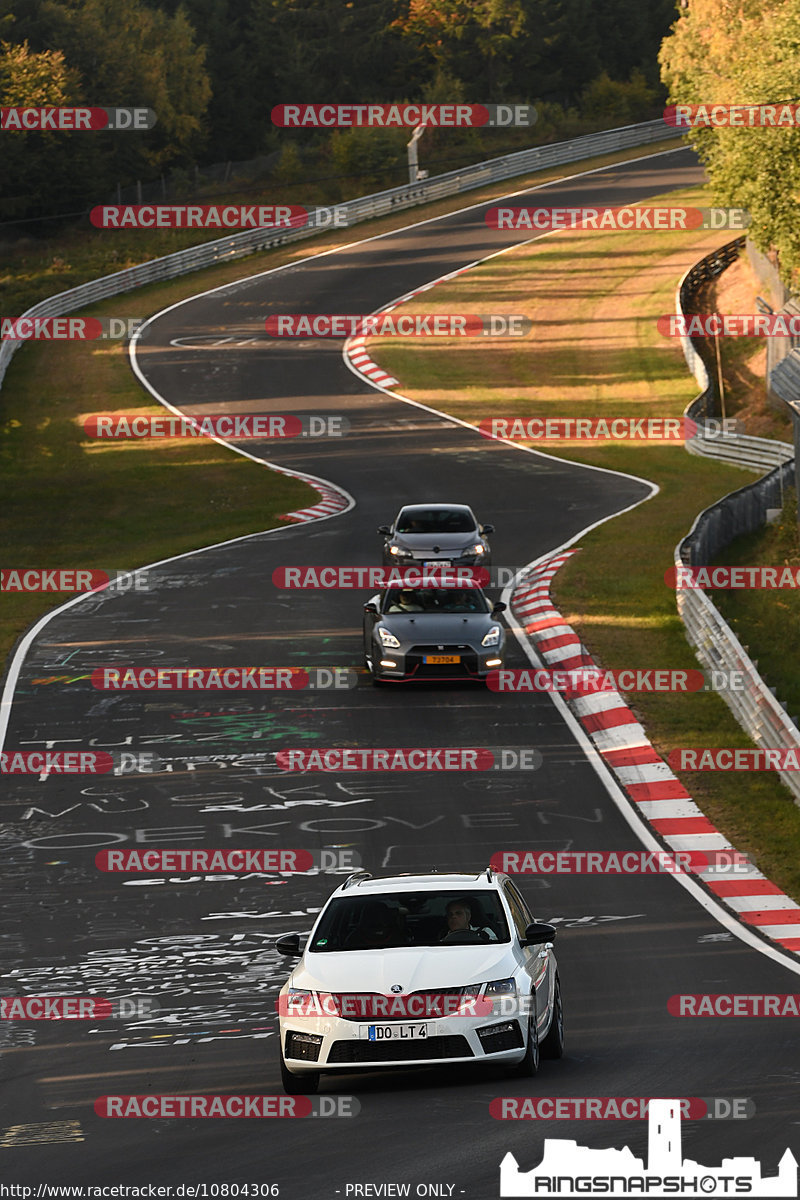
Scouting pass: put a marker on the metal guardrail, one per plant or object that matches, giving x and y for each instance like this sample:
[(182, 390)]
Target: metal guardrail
[(364, 208), (750, 453), (755, 707), (742, 511)]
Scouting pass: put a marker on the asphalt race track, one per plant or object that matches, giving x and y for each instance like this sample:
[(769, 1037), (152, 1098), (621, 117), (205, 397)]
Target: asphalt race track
[(204, 946)]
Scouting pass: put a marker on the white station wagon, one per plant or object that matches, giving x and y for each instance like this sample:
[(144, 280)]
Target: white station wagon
[(415, 970)]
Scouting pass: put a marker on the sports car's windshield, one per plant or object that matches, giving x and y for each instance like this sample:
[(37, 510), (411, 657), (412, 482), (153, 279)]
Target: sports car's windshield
[(433, 520), (435, 600), (410, 919)]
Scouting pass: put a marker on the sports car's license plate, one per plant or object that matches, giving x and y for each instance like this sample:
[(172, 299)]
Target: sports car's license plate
[(395, 1033), (442, 658), (437, 565)]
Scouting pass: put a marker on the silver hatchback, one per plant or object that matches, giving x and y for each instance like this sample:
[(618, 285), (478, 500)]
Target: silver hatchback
[(440, 534)]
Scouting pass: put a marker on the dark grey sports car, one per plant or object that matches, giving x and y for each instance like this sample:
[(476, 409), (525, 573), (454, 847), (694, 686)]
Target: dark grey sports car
[(436, 533), (432, 633)]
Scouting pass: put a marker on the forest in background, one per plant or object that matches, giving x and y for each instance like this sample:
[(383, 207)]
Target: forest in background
[(213, 70)]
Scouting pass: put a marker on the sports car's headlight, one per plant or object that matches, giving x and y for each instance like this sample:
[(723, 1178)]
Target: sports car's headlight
[(492, 637), (478, 548), (398, 552), (388, 638)]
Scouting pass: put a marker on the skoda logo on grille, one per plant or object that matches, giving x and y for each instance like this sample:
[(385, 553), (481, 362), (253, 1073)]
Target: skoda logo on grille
[(396, 988)]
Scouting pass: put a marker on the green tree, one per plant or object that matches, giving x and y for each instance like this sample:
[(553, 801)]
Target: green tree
[(114, 53), (30, 159), (617, 103), (744, 52)]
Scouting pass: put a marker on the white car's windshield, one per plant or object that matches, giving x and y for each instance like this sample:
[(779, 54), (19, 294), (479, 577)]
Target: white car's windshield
[(369, 922)]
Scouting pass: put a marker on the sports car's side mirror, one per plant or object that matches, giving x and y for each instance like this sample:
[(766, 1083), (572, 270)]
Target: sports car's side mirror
[(384, 529), (487, 528), (289, 945), (538, 933), (498, 608), (371, 608)]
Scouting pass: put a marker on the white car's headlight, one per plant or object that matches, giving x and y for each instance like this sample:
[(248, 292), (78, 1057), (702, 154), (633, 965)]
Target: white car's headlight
[(398, 552), (492, 637), (387, 638), (502, 987), (477, 549), (301, 1003)]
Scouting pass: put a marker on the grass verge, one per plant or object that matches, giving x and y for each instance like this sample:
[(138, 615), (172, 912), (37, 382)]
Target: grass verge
[(594, 299)]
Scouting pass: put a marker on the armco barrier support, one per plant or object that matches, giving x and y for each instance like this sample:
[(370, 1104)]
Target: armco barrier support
[(755, 707), (365, 208)]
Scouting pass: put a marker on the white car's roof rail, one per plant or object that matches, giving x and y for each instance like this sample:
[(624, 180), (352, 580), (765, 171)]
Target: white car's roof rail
[(351, 879)]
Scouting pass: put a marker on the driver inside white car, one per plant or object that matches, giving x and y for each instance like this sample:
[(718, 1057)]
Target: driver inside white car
[(459, 918)]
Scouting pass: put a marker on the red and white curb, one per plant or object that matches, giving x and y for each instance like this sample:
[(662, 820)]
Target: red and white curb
[(657, 794), (334, 500), (357, 357), (363, 365)]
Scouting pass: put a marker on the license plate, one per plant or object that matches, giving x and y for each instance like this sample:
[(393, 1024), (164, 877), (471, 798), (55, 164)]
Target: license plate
[(442, 658), (397, 1033), (437, 565)]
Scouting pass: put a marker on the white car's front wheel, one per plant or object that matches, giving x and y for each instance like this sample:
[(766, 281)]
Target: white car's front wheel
[(530, 1063), (553, 1044), (306, 1084)]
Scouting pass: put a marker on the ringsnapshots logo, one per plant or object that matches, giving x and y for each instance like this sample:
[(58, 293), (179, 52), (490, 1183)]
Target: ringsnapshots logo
[(322, 860), (619, 862), (569, 1170), (224, 679), (683, 577), (71, 579), (71, 120), (724, 116), (188, 1107), (402, 116), (604, 220), (747, 325), (420, 758), (231, 427), (392, 324)]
